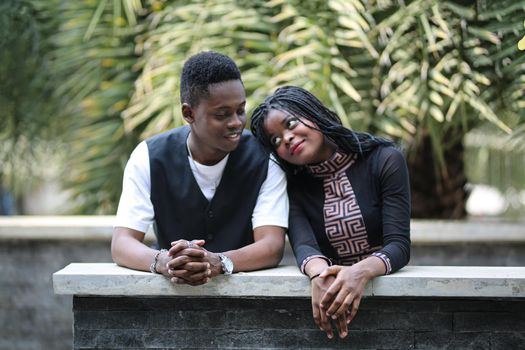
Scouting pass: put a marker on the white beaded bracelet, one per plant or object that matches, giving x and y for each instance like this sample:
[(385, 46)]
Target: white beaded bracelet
[(153, 266)]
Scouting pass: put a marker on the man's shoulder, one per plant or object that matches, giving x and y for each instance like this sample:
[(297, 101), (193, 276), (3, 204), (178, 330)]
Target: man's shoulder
[(169, 134), (168, 141), (247, 137)]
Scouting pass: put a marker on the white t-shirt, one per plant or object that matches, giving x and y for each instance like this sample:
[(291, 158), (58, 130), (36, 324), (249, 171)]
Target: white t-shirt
[(135, 209)]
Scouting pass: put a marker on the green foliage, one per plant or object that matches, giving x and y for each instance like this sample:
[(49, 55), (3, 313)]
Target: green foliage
[(406, 69), (91, 62), (24, 126)]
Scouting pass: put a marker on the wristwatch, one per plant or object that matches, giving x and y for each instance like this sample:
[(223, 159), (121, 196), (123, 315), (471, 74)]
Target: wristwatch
[(226, 264)]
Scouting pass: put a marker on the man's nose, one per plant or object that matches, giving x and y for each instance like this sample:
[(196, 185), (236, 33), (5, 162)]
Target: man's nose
[(236, 122)]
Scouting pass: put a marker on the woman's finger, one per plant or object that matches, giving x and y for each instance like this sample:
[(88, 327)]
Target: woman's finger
[(330, 294), (316, 313), (343, 309), (353, 312), (342, 326), (325, 324), (331, 270), (337, 302)]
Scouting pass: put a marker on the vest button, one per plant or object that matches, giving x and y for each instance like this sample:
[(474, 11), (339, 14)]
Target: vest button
[(209, 237), (210, 214)]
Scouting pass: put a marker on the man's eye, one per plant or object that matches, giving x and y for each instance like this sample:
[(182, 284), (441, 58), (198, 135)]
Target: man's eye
[(292, 123), (275, 141), (241, 112)]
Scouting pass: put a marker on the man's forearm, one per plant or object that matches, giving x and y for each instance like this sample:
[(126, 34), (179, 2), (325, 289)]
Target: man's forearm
[(265, 252), (128, 250)]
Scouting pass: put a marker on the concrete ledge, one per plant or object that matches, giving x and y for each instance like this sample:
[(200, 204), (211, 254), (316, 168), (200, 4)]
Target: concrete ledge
[(50, 228), (424, 232), (287, 281)]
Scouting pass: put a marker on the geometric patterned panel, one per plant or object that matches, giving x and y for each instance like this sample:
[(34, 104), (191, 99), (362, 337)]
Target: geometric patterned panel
[(344, 225)]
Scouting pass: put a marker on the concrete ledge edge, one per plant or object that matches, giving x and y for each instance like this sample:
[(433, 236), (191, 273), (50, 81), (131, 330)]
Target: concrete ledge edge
[(286, 281)]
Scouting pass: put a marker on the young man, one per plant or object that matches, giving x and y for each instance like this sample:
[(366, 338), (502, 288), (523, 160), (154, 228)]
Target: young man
[(217, 202)]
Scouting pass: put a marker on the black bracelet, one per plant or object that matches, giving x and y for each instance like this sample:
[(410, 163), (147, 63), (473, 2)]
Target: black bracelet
[(314, 276)]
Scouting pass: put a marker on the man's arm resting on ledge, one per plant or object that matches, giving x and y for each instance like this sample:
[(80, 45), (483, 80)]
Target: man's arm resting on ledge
[(266, 251), (128, 250)]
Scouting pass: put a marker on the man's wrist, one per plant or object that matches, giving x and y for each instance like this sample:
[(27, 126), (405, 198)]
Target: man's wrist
[(215, 264), (154, 266), (226, 264)]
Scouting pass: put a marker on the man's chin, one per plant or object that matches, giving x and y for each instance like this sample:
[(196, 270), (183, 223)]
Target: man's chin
[(230, 146)]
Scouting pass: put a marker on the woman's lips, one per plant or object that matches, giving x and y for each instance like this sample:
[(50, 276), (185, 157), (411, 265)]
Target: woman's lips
[(297, 147)]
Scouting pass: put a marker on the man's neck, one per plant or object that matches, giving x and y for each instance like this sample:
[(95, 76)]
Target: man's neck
[(202, 155)]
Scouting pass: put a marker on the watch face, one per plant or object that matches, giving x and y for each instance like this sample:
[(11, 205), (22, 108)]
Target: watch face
[(227, 264)]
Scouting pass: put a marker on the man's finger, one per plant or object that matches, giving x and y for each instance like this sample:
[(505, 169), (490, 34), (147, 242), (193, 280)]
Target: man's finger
[(180, 261), (195, 267), (178, 250)]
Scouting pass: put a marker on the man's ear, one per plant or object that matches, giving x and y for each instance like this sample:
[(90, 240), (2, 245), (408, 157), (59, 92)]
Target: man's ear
[(187, 113)]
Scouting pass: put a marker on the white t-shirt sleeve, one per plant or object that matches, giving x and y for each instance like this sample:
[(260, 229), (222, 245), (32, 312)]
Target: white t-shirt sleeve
[(135, 209), (272, 204)]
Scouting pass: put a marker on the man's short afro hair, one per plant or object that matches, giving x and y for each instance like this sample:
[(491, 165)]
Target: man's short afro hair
[(203, 69)]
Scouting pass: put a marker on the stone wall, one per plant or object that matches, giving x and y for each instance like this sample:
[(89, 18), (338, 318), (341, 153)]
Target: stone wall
[(286, 323), (31, 315)]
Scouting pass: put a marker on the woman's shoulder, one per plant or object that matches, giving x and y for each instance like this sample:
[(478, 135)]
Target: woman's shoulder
[(384, 153)]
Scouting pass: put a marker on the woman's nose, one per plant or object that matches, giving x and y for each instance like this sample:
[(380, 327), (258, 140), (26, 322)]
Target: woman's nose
[(288, 136)]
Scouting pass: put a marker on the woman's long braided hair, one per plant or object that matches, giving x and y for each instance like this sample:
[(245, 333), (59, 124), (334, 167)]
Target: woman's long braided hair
[(301, 103)]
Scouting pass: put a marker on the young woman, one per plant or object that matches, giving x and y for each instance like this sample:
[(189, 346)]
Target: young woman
[(349, 200)]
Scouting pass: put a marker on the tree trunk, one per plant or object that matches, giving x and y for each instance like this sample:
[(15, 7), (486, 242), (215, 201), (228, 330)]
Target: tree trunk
[(438, 194)]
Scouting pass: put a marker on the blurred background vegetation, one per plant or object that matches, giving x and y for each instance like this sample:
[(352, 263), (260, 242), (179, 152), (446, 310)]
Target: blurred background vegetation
[(82, 82)]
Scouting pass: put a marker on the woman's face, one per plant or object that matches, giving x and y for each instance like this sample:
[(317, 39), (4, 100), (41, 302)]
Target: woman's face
[(297, 140)]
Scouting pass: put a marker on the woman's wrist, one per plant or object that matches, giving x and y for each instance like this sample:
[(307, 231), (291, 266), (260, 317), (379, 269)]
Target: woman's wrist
[(314, 267), (369, 268)]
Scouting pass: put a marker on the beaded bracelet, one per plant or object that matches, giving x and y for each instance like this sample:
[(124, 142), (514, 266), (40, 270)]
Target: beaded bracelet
[(153, 266)]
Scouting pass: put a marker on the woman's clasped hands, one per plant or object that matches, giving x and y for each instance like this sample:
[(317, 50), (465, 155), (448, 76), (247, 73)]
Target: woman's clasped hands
[(336, 295)]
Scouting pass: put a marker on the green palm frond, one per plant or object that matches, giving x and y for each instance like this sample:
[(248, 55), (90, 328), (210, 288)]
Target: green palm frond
[(413, 70), (92, 59), (324, 47), (26, 130), (180, 30), (440, 74)]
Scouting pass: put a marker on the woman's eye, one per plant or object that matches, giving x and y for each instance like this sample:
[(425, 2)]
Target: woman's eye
[(275, 141), (292, 123)]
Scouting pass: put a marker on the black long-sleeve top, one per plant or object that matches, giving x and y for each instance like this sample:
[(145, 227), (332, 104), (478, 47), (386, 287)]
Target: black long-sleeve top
[(350, 207)]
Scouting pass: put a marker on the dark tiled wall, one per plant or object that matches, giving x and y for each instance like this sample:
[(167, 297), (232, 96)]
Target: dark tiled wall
[(284, 323)]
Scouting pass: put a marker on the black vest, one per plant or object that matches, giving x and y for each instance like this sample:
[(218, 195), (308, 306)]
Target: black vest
[(181, 209)]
